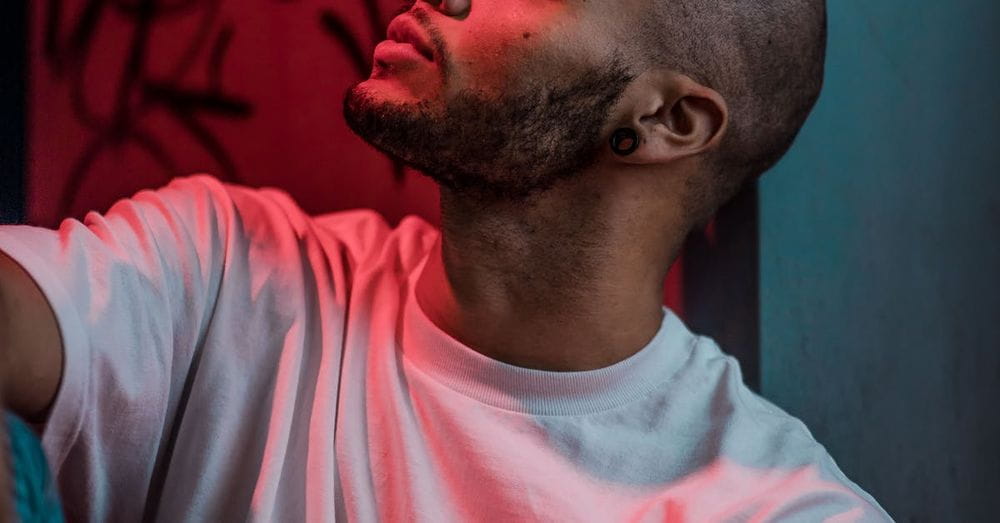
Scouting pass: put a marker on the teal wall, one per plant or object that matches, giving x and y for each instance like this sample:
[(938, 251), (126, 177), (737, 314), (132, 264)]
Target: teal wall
[(880, 258)]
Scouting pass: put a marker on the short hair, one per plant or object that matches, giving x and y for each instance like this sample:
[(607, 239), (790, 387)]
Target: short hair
[(765, 57)]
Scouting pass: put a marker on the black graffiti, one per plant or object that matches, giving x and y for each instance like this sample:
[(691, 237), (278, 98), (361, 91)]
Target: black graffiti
[(360, 54), (67, 48)]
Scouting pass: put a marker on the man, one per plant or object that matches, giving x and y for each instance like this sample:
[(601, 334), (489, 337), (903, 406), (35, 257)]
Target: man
[(209, 352)]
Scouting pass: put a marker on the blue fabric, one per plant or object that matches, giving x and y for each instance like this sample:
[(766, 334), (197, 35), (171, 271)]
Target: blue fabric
[(35, 495)]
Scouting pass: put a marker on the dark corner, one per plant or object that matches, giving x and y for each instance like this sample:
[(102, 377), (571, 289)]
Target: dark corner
[(13, 42)]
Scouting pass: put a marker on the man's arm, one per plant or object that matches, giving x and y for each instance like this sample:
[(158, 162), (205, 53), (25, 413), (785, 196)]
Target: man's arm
[(30, 360), (101, 319), (30, 344)]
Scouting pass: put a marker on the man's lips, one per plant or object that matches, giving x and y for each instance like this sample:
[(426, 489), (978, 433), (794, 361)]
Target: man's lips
[(405, 29)]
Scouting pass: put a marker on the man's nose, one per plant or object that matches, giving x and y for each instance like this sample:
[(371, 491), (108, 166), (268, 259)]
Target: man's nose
[(453, 7)]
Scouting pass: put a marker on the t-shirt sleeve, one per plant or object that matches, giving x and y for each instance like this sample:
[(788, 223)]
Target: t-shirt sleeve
[(807, 495), (132, 291), (726, 490)]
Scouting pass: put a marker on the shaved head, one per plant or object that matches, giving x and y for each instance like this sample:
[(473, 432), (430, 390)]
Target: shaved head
[(766, 58)]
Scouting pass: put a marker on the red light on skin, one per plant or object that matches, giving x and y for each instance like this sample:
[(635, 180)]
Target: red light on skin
[(389, 51), (404, 71)]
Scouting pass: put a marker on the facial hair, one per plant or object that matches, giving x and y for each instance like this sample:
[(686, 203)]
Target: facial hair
[(502, 148)]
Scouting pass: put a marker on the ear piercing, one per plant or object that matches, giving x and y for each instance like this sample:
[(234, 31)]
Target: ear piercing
[(624, 141)]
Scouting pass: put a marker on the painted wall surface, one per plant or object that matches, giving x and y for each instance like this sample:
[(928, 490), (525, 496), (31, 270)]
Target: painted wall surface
[(880, 259)]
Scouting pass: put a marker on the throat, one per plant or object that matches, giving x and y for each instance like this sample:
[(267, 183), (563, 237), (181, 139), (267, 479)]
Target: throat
[(538, 323)]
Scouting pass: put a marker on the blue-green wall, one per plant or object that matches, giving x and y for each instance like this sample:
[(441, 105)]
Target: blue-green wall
[(880, 258)]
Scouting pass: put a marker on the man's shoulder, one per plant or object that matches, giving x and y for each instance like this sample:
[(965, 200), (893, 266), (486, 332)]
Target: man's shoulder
[(742, 413), (375, 243), (267, 215), (756, 434)]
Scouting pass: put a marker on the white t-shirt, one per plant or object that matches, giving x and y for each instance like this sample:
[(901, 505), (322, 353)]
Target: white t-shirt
[(229, 358)]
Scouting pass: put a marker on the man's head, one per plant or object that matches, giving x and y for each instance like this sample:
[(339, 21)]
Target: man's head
[(520, 94)]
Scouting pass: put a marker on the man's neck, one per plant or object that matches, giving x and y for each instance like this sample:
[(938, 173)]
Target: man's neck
[(572, 281)]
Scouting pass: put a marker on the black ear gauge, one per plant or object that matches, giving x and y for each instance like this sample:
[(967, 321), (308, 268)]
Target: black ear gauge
[(624, 141)]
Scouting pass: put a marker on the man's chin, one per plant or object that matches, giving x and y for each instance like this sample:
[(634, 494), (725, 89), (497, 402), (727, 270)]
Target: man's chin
[(384, 91), (382, 117), (401, 86)]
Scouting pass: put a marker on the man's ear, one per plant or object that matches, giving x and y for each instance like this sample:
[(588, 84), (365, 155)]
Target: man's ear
[(674, 116)]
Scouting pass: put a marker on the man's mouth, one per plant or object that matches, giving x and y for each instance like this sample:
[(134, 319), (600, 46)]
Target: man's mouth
[(405, 29)]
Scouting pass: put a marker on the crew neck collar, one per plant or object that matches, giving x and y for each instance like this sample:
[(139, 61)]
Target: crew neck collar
[(453, 364)]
